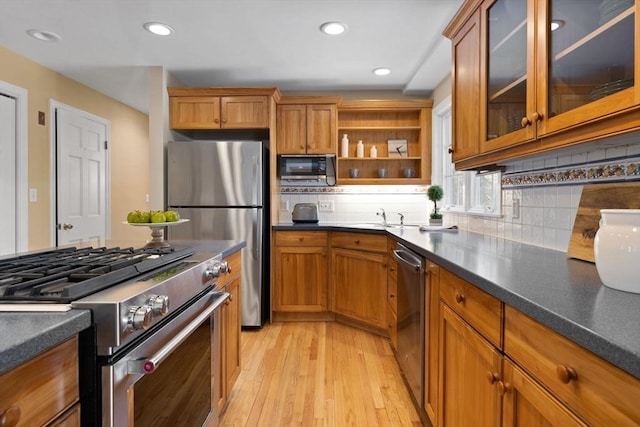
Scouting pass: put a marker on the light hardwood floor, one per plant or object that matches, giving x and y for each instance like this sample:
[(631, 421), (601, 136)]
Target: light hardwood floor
[(318, 374)]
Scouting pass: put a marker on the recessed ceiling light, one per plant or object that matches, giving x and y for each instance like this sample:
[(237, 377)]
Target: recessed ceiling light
[(45, 36), (333, 28), (381, 71), (556, 23), (158, 28)]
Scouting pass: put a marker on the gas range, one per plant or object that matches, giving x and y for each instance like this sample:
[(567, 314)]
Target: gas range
[(128, 290)]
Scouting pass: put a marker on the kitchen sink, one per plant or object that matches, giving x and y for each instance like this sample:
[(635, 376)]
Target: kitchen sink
[(378, 225)]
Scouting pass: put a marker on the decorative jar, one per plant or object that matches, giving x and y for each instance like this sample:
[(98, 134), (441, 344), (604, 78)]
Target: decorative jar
[(617, 249)]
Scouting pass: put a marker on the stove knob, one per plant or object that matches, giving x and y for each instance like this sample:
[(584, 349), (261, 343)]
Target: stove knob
[(212, 271), (139, 318), (224, 267), (159, 304)]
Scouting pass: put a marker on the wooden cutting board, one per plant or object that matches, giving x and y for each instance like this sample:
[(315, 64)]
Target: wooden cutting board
[(595, 197)]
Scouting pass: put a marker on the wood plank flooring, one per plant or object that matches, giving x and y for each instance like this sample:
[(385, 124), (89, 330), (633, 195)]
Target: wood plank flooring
[(318, 374)]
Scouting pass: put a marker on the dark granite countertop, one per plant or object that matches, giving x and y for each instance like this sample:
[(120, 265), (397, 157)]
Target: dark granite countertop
[(564, 294), (24, 335)]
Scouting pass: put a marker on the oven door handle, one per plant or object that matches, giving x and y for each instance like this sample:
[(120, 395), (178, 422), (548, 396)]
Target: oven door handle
[(149, 365)]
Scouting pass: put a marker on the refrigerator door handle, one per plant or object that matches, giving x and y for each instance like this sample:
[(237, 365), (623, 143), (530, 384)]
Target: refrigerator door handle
[(254, 178)]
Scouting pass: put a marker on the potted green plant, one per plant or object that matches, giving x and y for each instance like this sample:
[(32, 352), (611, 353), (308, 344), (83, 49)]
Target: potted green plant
[(435, 194)]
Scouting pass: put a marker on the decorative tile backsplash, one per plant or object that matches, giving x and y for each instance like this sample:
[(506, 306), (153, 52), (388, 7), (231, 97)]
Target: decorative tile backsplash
[(540, 197)]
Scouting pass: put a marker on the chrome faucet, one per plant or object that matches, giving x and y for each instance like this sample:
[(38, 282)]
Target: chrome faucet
[(383, 214), (401, 218)]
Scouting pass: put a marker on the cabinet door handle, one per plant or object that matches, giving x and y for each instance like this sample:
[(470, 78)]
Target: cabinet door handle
[(224, 120), (10, 416), (216, 120), (525, 122), (450, 150), (503, 388), (566, 374), (492, 377), (357, 242), (536, 117), (459, 298), (301, 239)]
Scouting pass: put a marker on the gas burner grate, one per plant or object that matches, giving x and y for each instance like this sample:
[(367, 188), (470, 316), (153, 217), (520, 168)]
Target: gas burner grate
[(65, 275)]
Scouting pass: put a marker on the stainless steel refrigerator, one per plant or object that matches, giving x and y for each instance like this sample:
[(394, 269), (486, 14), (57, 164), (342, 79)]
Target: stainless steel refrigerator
[(221, 187)]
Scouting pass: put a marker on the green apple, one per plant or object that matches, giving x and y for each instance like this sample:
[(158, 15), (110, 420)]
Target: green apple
[(145, 217), (172, 216), (158, 216), (134, 216)]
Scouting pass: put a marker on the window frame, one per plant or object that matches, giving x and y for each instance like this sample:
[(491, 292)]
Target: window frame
[(444, 172)]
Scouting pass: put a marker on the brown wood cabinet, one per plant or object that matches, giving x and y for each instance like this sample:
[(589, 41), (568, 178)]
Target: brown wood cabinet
[(359, 278), (431, 339), (468, 395), (520, 88), (301, 268), (220, 108), (306, 128), (531, 376), (231, 320), (375, 122), (43, 390), (392, 294), (598, 392), (526, 403)]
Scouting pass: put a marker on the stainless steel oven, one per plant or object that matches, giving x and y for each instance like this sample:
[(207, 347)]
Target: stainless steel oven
[(151, 355), (168, 379)]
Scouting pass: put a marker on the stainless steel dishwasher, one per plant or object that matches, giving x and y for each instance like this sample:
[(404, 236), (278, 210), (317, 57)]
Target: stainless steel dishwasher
[(411, 317)]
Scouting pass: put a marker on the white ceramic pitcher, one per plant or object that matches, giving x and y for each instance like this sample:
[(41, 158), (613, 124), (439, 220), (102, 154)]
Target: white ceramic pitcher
[(617, 249)]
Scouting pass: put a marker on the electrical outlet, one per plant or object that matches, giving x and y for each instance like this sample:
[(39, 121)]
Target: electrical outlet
[(284, 205), (326, 206)]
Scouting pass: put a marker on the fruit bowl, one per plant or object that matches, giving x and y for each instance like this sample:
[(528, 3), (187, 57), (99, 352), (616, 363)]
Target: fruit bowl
[(157, 231)]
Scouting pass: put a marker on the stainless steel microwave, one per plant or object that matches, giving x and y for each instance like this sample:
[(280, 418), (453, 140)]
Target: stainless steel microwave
[(307, 169)]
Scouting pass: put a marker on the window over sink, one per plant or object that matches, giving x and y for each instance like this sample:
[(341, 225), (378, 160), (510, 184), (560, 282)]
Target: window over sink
[(465, 192)]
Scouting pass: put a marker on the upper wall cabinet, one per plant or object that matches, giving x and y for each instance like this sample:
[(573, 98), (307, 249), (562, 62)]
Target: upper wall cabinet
[(406, 123), (219, 108), (532, 75), (306, 125)]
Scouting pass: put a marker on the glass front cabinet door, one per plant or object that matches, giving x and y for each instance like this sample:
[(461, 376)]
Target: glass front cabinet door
[(552, 65)]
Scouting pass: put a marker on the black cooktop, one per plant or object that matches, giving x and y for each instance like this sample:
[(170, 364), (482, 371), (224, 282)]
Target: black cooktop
[(65, 275)]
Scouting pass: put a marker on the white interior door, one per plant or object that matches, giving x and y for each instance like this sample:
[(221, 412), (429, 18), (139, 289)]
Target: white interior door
[(8, 226), (81, 176)]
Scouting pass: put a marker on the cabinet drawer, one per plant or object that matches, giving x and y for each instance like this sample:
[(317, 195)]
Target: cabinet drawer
[(599, 392), (301, 238), (43, 387), (481, 310), (359, 241)]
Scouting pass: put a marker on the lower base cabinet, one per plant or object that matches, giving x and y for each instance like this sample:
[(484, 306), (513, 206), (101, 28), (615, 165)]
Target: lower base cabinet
[(526, 403), (44, 390), (231, 324), (359, 286), (469, 367)]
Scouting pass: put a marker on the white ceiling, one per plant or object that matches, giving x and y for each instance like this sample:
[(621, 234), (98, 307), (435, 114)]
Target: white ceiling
[(237, 43)]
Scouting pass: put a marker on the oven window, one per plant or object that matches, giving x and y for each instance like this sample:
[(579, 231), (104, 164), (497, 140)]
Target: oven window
[(179, 391)]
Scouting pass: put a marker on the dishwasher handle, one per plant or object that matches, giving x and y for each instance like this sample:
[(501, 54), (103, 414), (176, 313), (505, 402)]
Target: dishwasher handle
[(408, 258)]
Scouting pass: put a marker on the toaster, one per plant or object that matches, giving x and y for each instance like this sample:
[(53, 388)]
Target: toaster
[(305, 212)]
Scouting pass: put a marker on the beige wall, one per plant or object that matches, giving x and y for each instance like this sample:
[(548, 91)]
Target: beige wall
[(129, 145), (442, 90)]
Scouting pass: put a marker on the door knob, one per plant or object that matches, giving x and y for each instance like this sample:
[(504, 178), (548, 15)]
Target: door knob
[(67, 226)]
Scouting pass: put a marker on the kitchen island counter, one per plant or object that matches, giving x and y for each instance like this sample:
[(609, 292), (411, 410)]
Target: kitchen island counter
[(24, 335), (563, 294)]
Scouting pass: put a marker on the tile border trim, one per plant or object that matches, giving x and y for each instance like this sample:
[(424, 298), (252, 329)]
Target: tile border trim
[(627, 169)]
